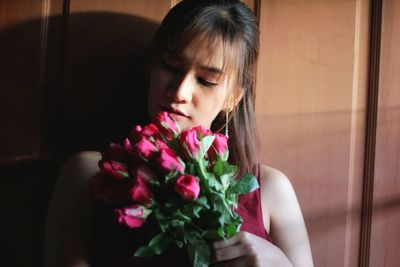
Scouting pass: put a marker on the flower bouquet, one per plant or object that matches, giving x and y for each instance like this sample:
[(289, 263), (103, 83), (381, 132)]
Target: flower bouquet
[(179, 182)]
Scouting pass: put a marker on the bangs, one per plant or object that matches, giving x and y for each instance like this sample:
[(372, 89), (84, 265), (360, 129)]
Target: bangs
[(201, 47)]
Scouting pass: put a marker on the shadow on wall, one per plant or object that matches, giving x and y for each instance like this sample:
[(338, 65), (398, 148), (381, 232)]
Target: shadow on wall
[(91, 90)]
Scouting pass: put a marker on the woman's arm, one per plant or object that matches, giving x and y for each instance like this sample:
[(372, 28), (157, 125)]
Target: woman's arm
[(67, 234), (287, 227)]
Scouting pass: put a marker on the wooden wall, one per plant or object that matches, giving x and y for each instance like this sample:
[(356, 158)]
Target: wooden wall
[(385, 232), (311, 108), (65, 63)]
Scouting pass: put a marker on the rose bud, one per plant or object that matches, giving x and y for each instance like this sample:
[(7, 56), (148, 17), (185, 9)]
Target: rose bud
[(128, 146), (169, 161), (140, 191), (188, 187), (160, 144), (191, 143), (133, 216), (115, 152), (202, 131), (145, 148), (149, 130), (110, 190), (136, 133), (166, 125), (113, 169), (219, 146)]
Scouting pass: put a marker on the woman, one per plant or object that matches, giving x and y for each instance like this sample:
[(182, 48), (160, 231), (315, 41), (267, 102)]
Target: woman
[(202, 72)]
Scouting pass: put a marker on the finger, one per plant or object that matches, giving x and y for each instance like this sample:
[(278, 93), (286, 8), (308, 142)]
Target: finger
[(228, 253)]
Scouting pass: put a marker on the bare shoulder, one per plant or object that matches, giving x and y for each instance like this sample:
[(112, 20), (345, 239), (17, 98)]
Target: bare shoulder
[(82, 164), (272, 176), (275, 185), (75, 174), (277, 194)]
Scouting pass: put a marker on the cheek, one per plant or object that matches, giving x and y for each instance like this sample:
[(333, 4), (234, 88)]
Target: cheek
[(212, 107)]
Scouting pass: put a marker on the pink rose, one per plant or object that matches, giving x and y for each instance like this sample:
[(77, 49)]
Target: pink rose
[(144, 171), (133, 216), (188, 187), (128, 146), (160, 144), (202, 131), (136, 133), (191, 143), (145, 148), (169, 161), (140, 191), (113, 169), (110, 190), (115, 152), (219, 146), (149, 130), (166, 125)]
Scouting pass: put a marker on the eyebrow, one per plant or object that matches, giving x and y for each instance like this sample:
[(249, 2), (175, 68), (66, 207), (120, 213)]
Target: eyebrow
[(213, 70)]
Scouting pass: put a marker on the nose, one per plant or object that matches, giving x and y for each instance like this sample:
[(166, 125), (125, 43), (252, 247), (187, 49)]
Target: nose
[(181, 89)]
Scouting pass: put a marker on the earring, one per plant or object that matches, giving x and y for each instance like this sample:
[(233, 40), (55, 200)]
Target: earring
[(226, 125)]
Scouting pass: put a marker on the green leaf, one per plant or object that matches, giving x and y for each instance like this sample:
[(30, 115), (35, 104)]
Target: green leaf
[(231, 169), (218, 167), (207, 142), (232, 199), (178, 229), (203, 201), (247, 184), (220, 205), (161, 219), (124, 174), (225, 180), (144, 252), (213, 183), (191, 210), (156, 246), (232, 229), (181, 217), (214, 234), (199, 253)]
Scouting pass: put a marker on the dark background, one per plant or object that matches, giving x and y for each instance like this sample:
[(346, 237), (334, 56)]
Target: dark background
[(79, 89)]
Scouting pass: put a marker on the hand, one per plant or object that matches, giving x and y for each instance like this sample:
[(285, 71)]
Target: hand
[(246, 249)]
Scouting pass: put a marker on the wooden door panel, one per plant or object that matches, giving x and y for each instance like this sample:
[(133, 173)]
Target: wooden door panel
[(311, 90), (21, 48), (385, 232)]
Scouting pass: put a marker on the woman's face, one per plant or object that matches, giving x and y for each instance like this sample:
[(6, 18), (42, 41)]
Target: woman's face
[(192, 93)]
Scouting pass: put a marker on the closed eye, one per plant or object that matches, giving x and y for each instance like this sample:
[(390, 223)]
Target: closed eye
[(206, 83)]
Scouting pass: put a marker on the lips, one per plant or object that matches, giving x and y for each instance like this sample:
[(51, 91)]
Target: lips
[(175, 111)]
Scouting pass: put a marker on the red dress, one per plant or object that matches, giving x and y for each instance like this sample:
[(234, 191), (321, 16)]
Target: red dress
[(114, 245)]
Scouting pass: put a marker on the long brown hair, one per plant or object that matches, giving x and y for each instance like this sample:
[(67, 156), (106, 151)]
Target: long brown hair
[(208, 23)]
